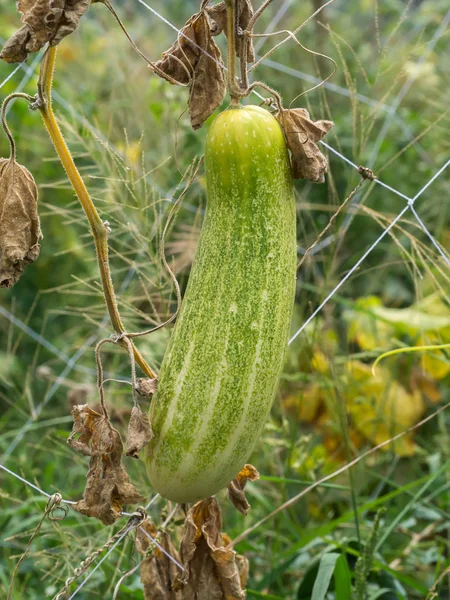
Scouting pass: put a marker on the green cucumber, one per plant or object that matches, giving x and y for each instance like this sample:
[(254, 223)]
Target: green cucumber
[(221, 368)]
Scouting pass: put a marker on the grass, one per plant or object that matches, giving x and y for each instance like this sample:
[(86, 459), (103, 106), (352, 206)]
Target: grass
[(133, 178)]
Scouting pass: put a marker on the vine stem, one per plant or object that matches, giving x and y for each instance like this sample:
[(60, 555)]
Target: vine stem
[(233, 88), (99, 228), (6, 101), (246, 38)]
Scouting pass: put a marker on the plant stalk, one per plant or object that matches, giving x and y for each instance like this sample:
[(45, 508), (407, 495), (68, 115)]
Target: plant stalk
[(233, 88), (99, 228)]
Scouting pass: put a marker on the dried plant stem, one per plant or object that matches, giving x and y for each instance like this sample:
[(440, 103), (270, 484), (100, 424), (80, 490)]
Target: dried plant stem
[(293, 33), (99, 228), (233, 88), (7, 130), (152, 65), (330, 223), (257, 14), (100, 381), (243, 63), (243, 55)]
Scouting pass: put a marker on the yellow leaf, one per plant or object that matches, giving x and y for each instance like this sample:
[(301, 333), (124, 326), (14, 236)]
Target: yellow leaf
[(381, 416), (304, 404), (365, 328), (435, 362), (319, 362)]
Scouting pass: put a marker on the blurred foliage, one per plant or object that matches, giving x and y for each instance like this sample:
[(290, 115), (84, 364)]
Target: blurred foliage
[(130, 136)]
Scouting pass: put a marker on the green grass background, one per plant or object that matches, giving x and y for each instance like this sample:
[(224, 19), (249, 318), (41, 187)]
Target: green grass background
[(133, 169)]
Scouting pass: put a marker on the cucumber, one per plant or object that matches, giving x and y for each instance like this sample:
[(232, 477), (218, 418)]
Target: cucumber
[(220, 372)]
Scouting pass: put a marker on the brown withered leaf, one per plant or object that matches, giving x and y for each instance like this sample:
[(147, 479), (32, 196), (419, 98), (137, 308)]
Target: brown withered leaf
[(158, 572), (218, 18), (211, 568), (177, 64), (139, 432), (146, 387), (186, 64), (302, 136), (208, 87), (241, 561), (235, 490), (44, 21), (84, 421), (108, 486), (20, 229)]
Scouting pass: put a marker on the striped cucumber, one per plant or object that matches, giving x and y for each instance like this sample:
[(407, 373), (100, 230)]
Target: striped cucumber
[(221, 368)]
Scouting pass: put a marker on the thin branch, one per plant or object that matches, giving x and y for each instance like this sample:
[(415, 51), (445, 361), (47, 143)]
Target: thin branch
[(151, 64), (258, 13), (366, 174), (272, 50)]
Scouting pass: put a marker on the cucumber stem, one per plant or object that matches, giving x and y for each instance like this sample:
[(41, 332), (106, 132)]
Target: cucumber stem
[(232, 18), (243, 54), (99, 228)]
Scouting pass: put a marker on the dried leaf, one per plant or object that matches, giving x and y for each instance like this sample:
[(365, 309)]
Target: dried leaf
[(186, 63), (211, 568), (146, 387), (241, 561), (178, 62), (108, 486), (235, 490), (158, 572), (84, 420), (208, 87), (218, 17), (20, 230), (302, 136), (44, 21), (139, 432)]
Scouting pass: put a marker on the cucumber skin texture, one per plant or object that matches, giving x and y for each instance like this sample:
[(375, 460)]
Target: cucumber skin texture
[(220, 372)]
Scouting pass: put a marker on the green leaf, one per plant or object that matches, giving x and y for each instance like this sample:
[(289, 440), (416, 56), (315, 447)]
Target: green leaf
[(342, 579), (324, 575)]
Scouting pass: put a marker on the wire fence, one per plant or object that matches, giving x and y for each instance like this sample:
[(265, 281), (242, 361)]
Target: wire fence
[(71, 362)]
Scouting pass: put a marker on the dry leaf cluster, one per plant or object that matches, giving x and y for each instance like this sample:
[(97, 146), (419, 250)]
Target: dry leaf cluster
[(212, 570), (302, 135), (43, 21), (108, 487), (186, 63), (158, 573), (218, 17), (235, 490), (20, 230)]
